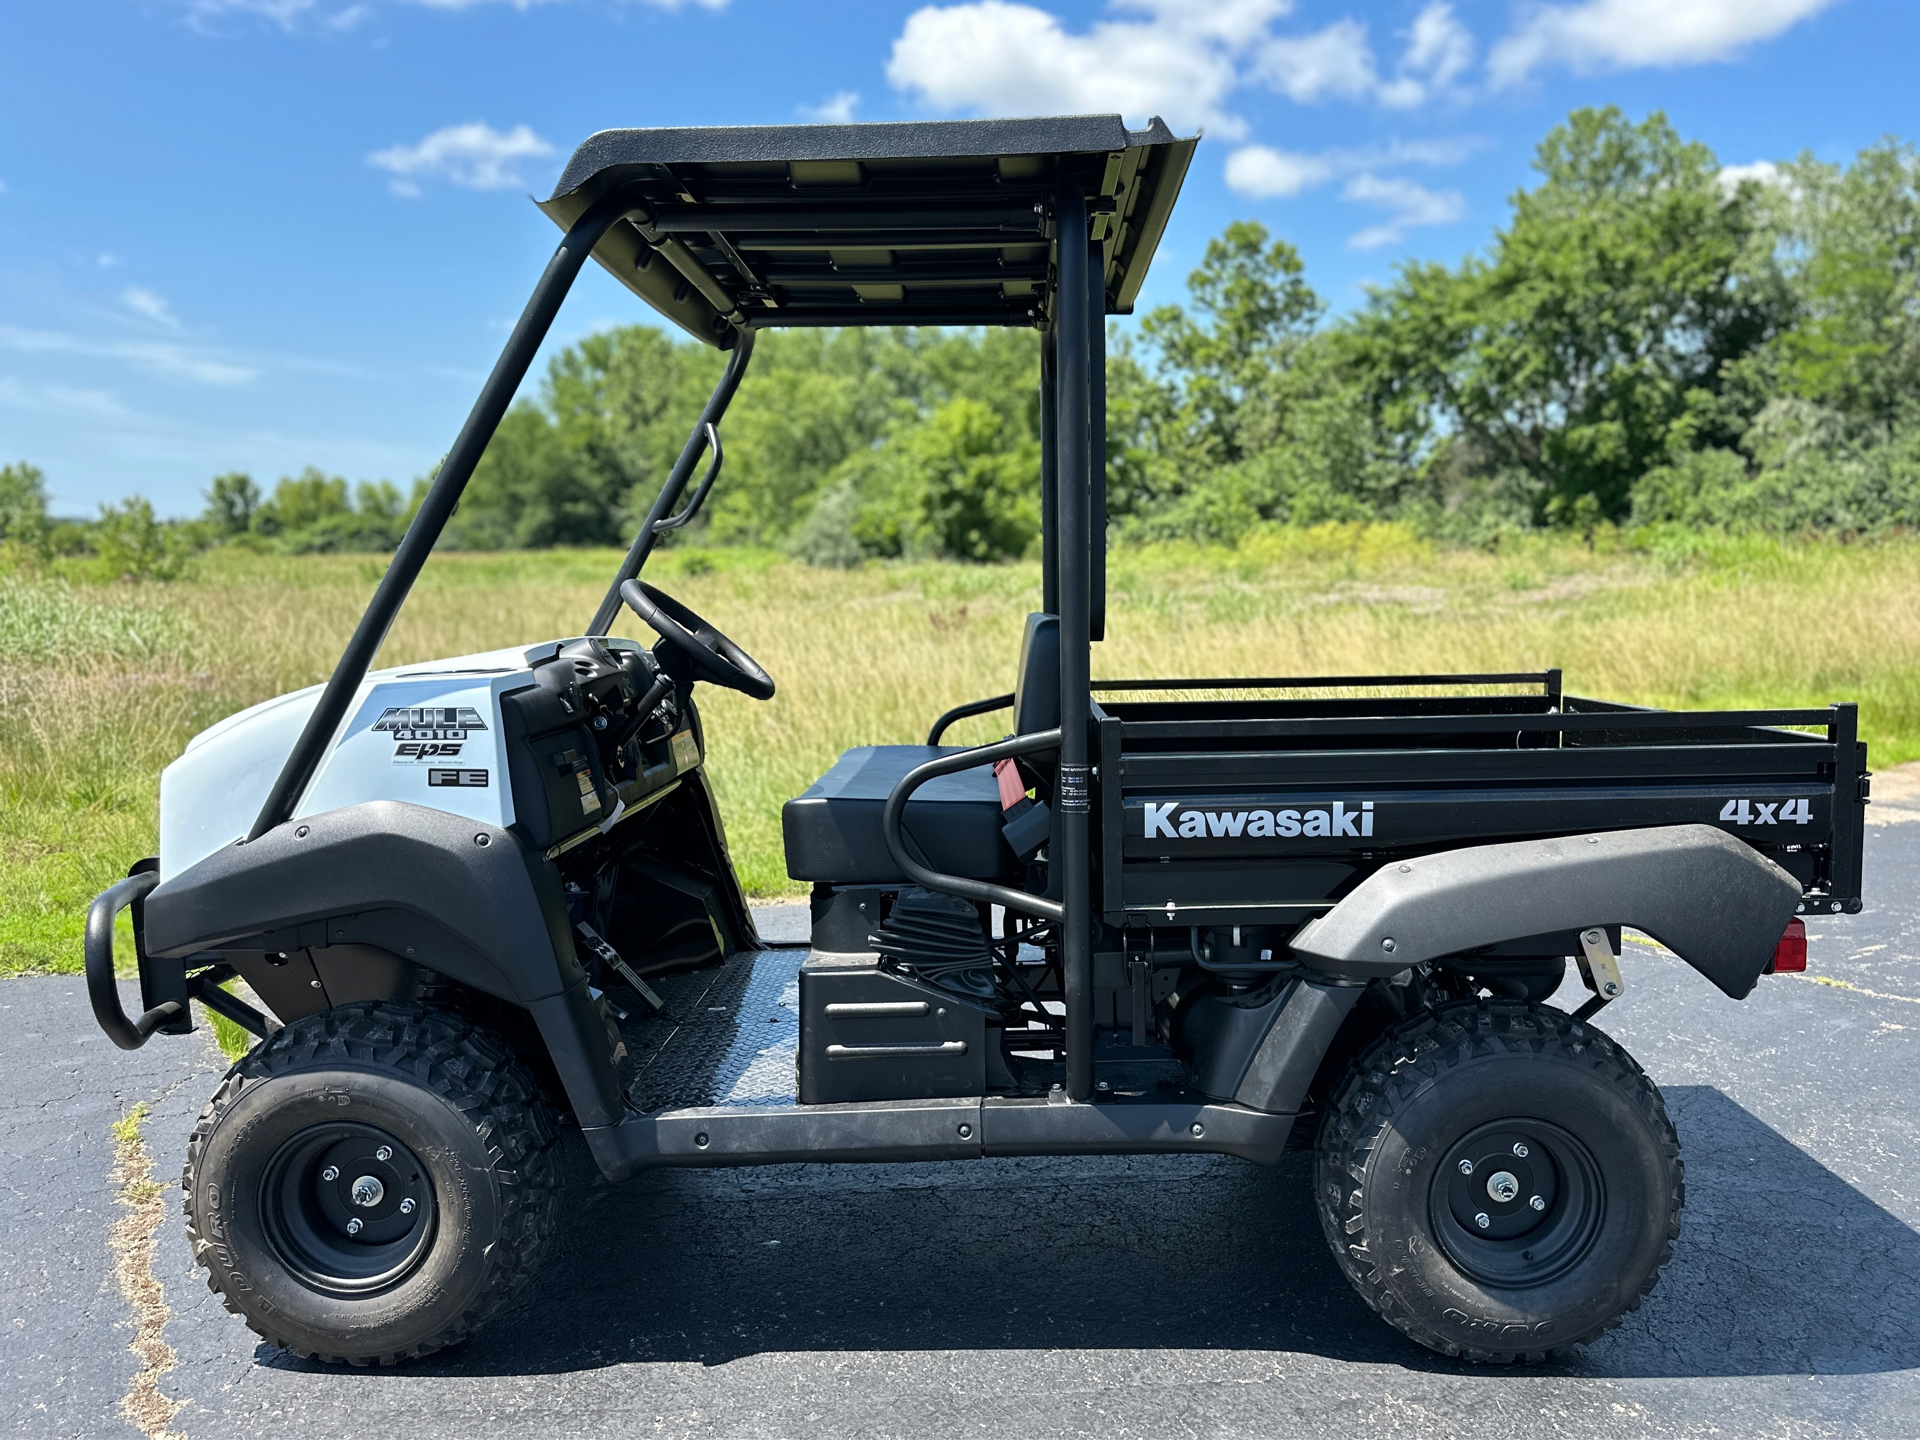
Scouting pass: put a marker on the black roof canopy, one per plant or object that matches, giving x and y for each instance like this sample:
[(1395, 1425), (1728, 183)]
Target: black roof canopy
[(945, 222)]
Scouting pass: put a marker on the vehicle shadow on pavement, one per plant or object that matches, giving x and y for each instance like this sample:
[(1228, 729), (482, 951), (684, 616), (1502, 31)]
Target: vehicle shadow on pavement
[(1783, 1267)]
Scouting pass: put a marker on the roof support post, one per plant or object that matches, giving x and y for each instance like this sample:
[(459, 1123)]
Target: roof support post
[(1070, 847), (1097, 440), (676, 481), (1049, 474), (508, 371)]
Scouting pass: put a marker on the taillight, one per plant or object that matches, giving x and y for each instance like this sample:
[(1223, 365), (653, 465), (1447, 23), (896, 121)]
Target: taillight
[(1790, 955)]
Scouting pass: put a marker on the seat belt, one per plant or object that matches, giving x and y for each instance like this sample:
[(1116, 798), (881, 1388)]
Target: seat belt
[(1027, 824)]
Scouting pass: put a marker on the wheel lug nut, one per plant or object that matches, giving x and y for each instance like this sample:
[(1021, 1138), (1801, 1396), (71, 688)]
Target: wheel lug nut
[(385, 1152), (332, 1172), (1536, 1202), (1482, 1220), (353, 1227), (1466, 1167), (406, 1206), (1519, 1148)]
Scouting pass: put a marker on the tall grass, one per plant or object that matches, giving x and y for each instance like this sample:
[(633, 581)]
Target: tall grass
[(101, 687)]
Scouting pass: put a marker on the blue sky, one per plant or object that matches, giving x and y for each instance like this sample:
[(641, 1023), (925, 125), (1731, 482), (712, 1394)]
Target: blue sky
[(264, 234)]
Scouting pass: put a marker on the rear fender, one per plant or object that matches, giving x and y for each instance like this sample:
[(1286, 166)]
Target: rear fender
[(1709, 898)]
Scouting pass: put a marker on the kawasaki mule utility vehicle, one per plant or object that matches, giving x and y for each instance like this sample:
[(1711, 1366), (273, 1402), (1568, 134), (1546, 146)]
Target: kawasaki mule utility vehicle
[(488, 897)]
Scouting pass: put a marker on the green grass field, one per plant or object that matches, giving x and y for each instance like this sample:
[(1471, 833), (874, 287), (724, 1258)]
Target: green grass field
[(101, 686)]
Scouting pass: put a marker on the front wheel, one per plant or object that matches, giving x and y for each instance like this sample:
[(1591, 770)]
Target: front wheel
[(371, 1183), (1499, 1181)]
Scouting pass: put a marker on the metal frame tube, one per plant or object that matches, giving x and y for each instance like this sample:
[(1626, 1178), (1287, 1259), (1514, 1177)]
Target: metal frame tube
[(1070, 849), (676, 481), (1049, 476), (441, 497), (1097, 441), (894, 818)]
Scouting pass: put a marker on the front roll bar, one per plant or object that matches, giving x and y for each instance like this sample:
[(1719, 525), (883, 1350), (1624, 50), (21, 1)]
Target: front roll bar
[(894, 815), (98, 946)]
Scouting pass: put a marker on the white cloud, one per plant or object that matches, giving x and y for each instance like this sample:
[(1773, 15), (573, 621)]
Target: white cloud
[(1410, 205), (1262, 173), (1259, 172), (1178, 60), (836, 109), (1335, 63), (154, 307), (473, 155), (1439, 50), (175, 362), (1601, 34), (1439, 45), (1338, 63)]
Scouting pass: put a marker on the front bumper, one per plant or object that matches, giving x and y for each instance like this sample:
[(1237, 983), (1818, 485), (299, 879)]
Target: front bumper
[(165, 986)]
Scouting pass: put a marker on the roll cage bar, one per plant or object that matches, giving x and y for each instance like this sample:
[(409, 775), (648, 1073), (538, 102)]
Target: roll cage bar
[(1048, 224)]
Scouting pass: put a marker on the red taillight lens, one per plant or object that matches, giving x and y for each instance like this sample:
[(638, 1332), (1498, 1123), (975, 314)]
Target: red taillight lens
[(1790, 955)]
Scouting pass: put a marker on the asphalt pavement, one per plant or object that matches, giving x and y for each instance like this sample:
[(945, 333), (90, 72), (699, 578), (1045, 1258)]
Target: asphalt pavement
[(1155, 1297)]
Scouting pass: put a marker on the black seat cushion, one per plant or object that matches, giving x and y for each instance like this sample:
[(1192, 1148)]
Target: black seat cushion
[(952, 823)]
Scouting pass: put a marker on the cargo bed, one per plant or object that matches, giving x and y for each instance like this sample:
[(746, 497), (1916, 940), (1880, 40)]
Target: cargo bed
[(1267, 809)]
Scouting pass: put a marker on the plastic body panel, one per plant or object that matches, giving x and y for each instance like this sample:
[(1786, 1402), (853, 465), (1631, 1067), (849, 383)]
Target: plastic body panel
[(914, 1130), (1720, 906), (866, 1034), (490, 915), (210, 794)]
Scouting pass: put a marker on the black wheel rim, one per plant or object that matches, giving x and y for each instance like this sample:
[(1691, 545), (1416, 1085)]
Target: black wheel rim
[(1517, 1203), (348, 1209)]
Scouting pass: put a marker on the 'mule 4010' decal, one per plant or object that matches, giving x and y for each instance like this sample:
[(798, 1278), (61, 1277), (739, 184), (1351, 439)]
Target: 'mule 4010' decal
[(428, 732), (1176, 820), (1767, 812)]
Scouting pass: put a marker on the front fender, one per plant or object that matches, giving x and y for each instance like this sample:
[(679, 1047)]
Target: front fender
[(1712, 900), (478, 908)]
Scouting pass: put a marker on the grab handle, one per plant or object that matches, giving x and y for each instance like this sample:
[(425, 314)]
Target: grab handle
[(692, 508)]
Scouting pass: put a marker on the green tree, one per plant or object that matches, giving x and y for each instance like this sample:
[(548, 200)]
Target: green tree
[(957, 486), (231, 501), (621, 402), (1250, 311), (1602, 335), (533, 489), (300, 502), (132, 544), (23, 508), (1853, 254)]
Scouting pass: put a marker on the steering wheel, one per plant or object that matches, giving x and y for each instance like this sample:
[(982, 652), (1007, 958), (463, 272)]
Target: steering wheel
[(710, 655)]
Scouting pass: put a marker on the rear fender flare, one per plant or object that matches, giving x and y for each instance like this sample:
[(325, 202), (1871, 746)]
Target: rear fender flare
[(1715, 902)]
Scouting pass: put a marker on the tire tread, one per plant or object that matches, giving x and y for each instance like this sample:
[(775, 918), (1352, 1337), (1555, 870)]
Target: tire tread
[(1403, 1061), (462, 1065)]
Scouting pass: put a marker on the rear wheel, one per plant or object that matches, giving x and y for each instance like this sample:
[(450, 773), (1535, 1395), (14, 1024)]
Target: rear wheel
[(1499, 1181), (372, 1183)]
